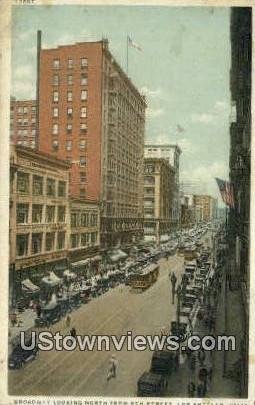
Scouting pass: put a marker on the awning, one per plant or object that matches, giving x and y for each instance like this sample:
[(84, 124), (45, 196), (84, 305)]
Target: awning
[(52, 280), (117, 255), (81, 263), (28, 286), (68, 273), (97, 258), (164, 238)]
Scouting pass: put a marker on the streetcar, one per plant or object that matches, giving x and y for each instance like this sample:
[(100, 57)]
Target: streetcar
[(146, 278)]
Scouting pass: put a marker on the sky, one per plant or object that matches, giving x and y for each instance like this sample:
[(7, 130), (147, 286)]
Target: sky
[(183, 69)]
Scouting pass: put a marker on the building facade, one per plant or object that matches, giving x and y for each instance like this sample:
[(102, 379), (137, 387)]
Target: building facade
[(39, 217), (172, 154), (23, 123), (91, 115), (208, 206), (159, 182), (240, 161), (84, 242)]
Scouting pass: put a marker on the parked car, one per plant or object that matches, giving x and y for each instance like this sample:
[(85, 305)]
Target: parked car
[(151, 385), (163, 362), (19, 356)]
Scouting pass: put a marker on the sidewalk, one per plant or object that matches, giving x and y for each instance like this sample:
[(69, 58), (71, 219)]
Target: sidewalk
[(27, 320), (219, 386)]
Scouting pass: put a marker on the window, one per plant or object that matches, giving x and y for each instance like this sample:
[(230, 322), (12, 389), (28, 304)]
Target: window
[(32, 144), (82, 144), (83, 112), (55, 145), (84, 62), (33, 132), (93, 221), (85, 219), (51, 187), (25, 121), (69, 112), (50, 214), (84, 80), (74, 240), (69, 128), (93, 238), (61, 240), (82, 192), (33, 109), (61, 188), (22, 245), (25, 110), (70, 63), (84, 95), (33, 120), (55, 96), (22, 213), (74, 220), (82, 161), (55, 129), (83, 127), (61, 213), (69, 96), (37, 210), (49, 241), (20, 120), (82, 177), (55, 80), (25, 132), (70, 80), (37, 185), (23, 182), (68, 145), (55, 112), (36, 243), (20, 142), (20, 110), (84, 239), (56, 64)]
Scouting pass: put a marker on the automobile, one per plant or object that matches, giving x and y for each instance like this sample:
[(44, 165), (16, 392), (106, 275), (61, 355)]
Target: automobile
[(51, 313), (19, 356), (151, 385), (163, 362)]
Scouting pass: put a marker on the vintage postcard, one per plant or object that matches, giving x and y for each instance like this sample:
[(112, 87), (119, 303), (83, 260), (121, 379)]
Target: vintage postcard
[(126, 164)]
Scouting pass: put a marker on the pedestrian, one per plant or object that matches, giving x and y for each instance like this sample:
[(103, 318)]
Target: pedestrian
[(73, 332), (192, 362), (38, 310), (200, 390), (112, 368), (68, 321), (201, 356), (191, 389), (173, 282)]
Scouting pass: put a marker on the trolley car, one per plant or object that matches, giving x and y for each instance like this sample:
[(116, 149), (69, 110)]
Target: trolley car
[(145, 279)]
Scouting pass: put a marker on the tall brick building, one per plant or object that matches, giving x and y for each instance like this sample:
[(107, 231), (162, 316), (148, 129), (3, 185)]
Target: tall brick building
[(23, 122), (91, 114)]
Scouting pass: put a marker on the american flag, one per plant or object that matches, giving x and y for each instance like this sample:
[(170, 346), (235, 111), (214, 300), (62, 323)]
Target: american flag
[(133, 44), (226, 191)]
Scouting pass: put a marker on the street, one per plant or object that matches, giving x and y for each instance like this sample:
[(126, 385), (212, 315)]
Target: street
[(116, 312)]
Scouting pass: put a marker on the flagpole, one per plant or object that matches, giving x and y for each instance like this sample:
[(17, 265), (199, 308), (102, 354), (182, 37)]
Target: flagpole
[(127, 54)]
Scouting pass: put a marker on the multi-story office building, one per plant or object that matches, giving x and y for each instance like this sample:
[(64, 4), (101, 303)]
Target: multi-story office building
[(159, 179), (172, 154), (23, 122), (84, 239), (38, 215), (240, 161), (208, 206), (92, 115)]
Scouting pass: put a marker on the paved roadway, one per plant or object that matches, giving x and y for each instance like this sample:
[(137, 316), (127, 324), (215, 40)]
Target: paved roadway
[(116, 312)]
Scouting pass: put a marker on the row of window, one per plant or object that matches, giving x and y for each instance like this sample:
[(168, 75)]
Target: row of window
[(23, 184), (22, 214), (69, 97), (26, 110), (25, 121), (27, 144), (69, 146), (53, 241), (70, 80), (83, 219), (22, 242), (69, 127), (83, 239), (26, 132), (71, 63)]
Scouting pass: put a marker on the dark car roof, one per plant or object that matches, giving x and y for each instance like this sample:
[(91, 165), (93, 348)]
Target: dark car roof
[(150, 378)]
